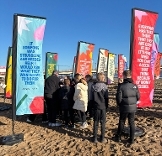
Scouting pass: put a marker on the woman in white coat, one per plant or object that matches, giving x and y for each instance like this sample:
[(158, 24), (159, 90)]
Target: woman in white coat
[(81, 100)]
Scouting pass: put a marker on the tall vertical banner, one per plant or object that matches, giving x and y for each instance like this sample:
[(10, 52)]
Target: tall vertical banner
[(74, 62), (142, 33), (8, 78), (51, 63), (126, 63), (121, 65), (111, 68), (28, 86), (154, 53), (84, 58), (102, 60), (157, 65)]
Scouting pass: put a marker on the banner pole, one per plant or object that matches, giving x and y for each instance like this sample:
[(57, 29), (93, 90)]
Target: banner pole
[(14, 138)]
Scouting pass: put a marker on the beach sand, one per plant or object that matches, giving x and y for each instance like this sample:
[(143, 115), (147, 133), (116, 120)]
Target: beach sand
[(41, 140)]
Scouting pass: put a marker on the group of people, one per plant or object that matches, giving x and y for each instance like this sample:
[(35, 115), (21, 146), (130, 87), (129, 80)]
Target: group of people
[(83, 96)]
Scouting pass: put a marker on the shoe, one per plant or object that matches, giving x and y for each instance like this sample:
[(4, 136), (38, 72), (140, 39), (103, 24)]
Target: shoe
[(103, 140), (85, 125), (66, 126), (55, 124), (45, 121), (117, 138), (49, 124), (131, 141), (91, 118), (28, 120), (71, 126), (94, 139), (79, 122)]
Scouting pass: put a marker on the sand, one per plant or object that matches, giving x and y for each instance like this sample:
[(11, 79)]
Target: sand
[(41, 140)]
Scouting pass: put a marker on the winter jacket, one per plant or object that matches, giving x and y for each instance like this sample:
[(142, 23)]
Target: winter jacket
[(90, 82), (100, 95), (64, 96), (81, 97), (127, 96), (51, 87), (71, 95)]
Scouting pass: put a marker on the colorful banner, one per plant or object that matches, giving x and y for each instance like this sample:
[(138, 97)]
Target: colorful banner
[(28, 86), (143, 23), (102, 60), (111, 68), (84, 58), (8, 78), (154, 53), (121, 65), (74, 62), (157, 65), (51, 63)]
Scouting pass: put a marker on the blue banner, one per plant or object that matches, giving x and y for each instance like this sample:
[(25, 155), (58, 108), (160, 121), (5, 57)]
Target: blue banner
[(29, 67)]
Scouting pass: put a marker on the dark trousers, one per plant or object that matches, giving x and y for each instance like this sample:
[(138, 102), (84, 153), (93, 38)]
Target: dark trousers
[(122, 119), (99, 116), (90, 108), (82, 116), (51, 109), (66, 117), (44, 115)]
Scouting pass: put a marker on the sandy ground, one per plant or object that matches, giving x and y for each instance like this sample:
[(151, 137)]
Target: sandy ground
[(41, 140)]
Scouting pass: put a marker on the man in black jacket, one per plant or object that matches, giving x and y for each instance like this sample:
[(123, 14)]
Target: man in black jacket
[(100, 100), (127, 97), (90, 81), (51, 96)]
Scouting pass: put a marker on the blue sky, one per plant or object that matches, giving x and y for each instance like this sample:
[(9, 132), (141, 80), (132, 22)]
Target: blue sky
[(106, 23)]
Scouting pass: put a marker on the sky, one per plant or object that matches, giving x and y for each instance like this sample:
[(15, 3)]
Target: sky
[(106, 23)]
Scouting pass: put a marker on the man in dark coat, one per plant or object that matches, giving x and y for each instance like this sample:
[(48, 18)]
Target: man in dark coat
[(51, 96), (127, 97), (90, 81)]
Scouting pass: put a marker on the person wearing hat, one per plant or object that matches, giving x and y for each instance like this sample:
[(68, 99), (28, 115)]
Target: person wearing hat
[(51, 97)]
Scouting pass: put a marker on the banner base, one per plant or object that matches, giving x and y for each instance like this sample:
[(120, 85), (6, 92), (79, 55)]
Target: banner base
[(12, 139), (139, 132)]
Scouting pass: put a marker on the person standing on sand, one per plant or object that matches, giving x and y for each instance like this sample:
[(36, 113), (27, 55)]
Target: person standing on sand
[(127, 97), (51, 96), (81, 100), (90, 102), (65, 98), (100, 102)]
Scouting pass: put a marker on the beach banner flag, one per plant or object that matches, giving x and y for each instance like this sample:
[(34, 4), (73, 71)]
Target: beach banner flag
[(111, 68), (51, 63), (121, 65), (8, 78), (74, 62), (157, 65), (126, 63), (28, 86), (84, 58), (142, 33), (154, 54), (102, 60)]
